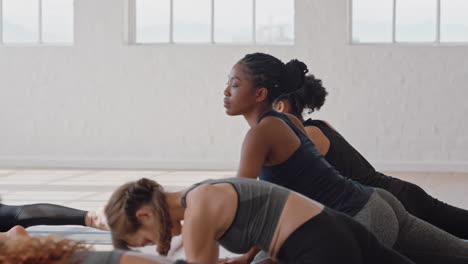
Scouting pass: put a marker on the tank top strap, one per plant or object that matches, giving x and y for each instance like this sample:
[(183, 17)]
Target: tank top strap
[(269, 113), (183, 199), (286, 119), (314, 122)]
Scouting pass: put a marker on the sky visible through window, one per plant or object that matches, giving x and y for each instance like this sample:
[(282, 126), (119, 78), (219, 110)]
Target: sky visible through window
[(415, 21), (153, 19), (20, 21), (233, 21)]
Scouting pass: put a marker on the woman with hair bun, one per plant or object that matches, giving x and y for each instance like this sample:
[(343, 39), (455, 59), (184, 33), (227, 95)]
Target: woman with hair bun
[(240, 214), (351, 164), (276, 149)]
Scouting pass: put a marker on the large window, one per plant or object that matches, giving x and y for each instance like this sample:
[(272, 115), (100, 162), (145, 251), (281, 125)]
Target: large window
[(211, 21), (409, 21), (36, 21)]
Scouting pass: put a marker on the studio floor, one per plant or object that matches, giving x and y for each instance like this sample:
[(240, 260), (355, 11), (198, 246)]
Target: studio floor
[(90, 189)]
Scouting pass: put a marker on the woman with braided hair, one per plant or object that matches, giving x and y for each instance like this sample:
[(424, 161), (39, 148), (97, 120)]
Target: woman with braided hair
[(351, 164), (240, 214), (288, 158)]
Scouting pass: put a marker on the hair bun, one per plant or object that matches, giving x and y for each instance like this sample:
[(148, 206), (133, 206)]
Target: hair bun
[(296, 71)]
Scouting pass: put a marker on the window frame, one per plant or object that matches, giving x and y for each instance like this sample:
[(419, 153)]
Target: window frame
[(131, 28), (1, 22), (40, 40), (436, 42)]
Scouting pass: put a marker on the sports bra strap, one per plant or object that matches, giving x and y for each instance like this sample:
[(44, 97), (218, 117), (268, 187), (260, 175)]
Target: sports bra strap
[(183, 199)]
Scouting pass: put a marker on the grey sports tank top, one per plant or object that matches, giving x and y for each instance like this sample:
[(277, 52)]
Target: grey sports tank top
[(259, 208)]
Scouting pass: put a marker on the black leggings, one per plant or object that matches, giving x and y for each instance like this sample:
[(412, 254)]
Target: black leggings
[(39, 214), (420, 204), (334, 238)]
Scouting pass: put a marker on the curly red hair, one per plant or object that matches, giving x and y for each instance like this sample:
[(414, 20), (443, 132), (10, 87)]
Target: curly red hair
[(39, 250)]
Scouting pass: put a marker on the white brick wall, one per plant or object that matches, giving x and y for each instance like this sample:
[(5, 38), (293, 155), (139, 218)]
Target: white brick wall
[(102, 103)]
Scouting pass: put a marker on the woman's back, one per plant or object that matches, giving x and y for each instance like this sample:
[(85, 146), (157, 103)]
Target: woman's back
[(261, 208), (307, 172), (350, 163), (258, 211)]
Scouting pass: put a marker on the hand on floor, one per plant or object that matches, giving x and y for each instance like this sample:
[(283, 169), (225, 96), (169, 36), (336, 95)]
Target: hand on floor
[(176, 247)]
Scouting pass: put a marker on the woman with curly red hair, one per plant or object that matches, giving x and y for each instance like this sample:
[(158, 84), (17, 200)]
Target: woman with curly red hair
[(17, 247)]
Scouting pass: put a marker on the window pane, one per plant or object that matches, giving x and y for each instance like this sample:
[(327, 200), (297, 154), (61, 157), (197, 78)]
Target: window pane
[(152, 21), (192, 21), (233, 21), (20, 21), (57, 21), (454, 21), (416, 20), (372, 20), (275, 21)]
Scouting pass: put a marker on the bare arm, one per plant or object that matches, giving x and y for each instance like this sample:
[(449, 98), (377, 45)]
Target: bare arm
[(253, 154), (201, 226)]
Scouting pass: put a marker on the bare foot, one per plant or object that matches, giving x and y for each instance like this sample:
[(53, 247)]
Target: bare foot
[(97, 219), (16, 231)]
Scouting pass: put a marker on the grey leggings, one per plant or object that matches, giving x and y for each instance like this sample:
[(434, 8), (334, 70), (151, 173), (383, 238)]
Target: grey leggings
[(422, 242)]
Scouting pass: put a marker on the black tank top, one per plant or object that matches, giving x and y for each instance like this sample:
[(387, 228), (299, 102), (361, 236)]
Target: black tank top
[(350, 163), (307, 172)]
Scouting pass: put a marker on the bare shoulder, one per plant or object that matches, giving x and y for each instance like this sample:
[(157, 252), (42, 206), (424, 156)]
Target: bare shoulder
[(268, 121), (260, 132), (208, 197), (296, 122), (202, 193), (210, 207), (321, 141), (294, 119), (313, 130), (315, 133)]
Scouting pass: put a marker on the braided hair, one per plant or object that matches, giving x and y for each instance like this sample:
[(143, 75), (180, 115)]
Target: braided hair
[(127, 200), (271, 73)]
